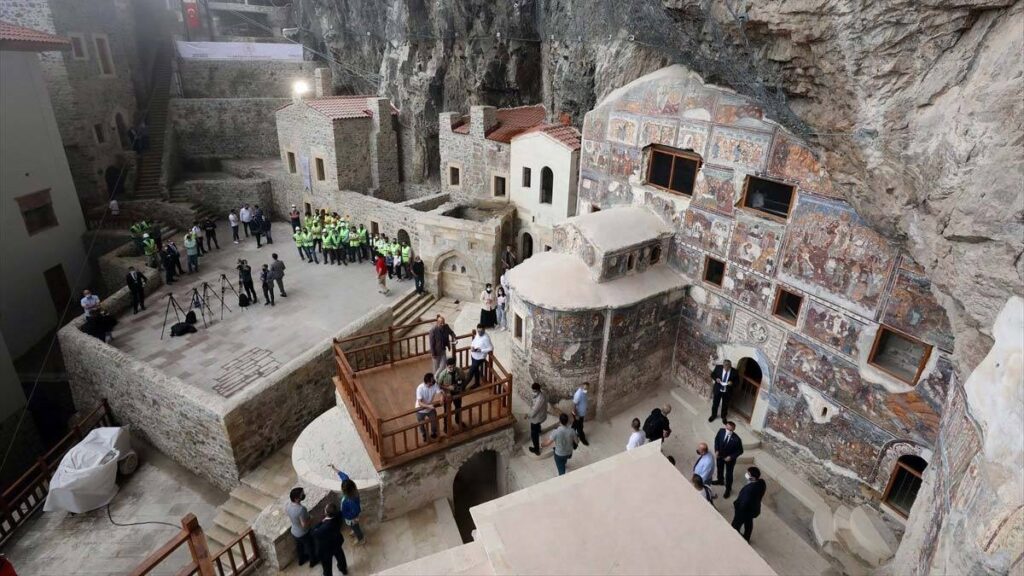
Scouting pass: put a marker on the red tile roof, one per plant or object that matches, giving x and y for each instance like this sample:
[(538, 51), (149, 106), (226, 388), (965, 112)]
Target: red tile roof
[(26, 39), (565, 135), (343, 107), (511, 121)]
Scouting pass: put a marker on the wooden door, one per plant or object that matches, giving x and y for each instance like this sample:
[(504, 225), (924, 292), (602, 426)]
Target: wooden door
[(748, 386)]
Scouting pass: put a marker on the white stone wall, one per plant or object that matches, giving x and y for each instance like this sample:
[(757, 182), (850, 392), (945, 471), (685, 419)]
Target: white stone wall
[(537, 151)]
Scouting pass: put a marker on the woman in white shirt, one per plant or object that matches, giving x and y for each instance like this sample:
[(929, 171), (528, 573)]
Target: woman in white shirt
[(637, 438), (502, 303)]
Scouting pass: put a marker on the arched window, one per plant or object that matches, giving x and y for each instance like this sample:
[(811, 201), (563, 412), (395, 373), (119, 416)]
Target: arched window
[(904, 483), (655, 254), (527, 248), (547, 184)]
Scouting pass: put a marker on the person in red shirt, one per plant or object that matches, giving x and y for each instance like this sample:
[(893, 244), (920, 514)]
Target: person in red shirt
[(382, 276), (6, 568)]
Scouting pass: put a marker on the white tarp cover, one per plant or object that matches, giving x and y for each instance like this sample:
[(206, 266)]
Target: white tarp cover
[(239, 50), (86, 478)]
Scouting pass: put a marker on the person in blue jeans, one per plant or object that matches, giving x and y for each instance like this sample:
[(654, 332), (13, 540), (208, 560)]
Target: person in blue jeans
[(565, 440), (350, 506)]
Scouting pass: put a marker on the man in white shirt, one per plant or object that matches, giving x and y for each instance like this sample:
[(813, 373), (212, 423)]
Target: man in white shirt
[(579, 411), (90, 303), (637, 438), (233, 222), (245, 215), (705, 466), (480, 348), (425, 407)]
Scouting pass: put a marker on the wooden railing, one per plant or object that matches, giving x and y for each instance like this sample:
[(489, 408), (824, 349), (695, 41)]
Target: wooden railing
[(238, 558), (397, 439), (26, 494)]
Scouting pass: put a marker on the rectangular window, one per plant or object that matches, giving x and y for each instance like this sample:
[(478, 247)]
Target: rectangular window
[(100, 132), (673, 169), (453, 176), (37, 211), (291, 162), (320, 173), (526, 177), (787, 305), (899, 355), (374, 228), (904, 484), (499, 185), (103, 55), (714, 271), (519, 327), (78, 51), (767, 196)]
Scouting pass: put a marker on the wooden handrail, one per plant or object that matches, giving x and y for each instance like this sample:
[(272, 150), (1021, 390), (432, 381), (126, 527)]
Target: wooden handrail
[(202, 562)]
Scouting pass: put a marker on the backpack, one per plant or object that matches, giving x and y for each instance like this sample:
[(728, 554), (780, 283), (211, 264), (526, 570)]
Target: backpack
[(181, 328), (243, 300), (190, 318)]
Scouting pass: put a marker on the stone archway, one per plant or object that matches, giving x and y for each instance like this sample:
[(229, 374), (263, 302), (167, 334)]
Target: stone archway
[(455, 277), (888, 456), (476, 482), (403, 237)]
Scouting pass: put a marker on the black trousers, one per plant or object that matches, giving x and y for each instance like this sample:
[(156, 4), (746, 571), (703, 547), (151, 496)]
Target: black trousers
[(725, 469), (535, 436), (476, 369), (249, 290), (245, 225), (745, 522), (305, 548), (419, 284), (325, 561), (138, 299), (280, 286), (719, 398), (268, 292), (211, 236), (234, 234), (577, 425)]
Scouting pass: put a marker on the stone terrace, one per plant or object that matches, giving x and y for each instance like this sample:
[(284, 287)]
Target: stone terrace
[(253, 342)]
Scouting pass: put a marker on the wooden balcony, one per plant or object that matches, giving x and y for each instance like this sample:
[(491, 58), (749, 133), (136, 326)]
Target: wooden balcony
[(377, 378)]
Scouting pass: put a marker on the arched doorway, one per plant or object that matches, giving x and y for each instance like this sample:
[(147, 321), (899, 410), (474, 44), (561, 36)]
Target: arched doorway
[(904, 483), (749, 385), (454, 279), (122, 131), (547, 185), (527, 248), (403, 237), (475, 483)]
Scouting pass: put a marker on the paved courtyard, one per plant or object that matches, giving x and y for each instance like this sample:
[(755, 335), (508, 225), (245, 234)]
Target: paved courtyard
[(232, 353)]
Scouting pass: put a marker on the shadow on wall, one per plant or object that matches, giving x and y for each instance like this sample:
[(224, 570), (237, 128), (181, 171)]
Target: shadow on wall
[(475, 483)]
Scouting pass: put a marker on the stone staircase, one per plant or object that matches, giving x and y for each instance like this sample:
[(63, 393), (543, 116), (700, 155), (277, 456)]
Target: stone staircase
[(858, 539), (259, 489), (147, 183)]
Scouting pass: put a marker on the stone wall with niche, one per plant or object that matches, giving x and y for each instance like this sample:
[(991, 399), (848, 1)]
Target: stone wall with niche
[(850, 280)]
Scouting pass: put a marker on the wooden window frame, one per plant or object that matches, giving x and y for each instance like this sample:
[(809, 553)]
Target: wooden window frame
[(675, 152), (882, 328), (892, 480), (527, 177), (704, 273), (551, 199), (321, 169), (103, 62), (293, 167), (762, 213), (775, 306), (34, 201), (72, 36)]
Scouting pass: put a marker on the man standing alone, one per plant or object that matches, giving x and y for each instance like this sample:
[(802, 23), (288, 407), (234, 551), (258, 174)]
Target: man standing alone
[(136, 285), (579, 411), (748, 503), (441, 338), (538, 414), (723, 381), (277, 273), (728, 447), (417, 273), (564, 439)]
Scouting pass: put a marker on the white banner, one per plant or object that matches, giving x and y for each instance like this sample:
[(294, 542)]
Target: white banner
[(239, 51)]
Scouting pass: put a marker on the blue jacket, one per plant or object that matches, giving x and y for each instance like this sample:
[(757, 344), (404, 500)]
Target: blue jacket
[(350, 508)]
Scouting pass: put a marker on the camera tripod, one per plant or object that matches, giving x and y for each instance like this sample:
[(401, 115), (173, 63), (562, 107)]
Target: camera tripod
[(203, 303), (225, 284), (172, 304)]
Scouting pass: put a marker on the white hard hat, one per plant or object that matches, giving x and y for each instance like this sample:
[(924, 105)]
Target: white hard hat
[(145, 235)]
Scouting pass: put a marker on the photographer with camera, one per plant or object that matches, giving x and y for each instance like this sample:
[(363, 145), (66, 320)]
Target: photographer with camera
[(245, 279)]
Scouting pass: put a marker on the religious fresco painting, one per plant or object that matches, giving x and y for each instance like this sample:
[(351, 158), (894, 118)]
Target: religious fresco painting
[(734, 110), (829, 248), (712, 312), (748, 288), (791, 161), (755, 243), (622, 130), (657, 133), (705, 231), (693, 136), (913, 309), (688, 261), (831, 327), (664, 99), (744, 150), (624, 161), (715, 191), (593, 128)]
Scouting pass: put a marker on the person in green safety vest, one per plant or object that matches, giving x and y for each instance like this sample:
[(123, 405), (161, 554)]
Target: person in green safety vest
[(315, 230), (364, 245), (330, 248), (343, 247), (352, 244), (149, 249), (297, 236), (406, 260), (395, 250), (308, 246)]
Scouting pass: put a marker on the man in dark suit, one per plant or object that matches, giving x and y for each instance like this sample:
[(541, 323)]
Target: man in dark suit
[(724, 380), (136, 285), (728, 447), (748, 503), (328, 538)]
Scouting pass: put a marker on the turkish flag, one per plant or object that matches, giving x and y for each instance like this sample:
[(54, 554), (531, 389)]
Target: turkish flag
[(192, 15)]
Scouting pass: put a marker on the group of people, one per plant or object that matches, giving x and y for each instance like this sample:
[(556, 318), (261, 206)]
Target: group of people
[(253, 221), (567, 437), (321, 542)]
